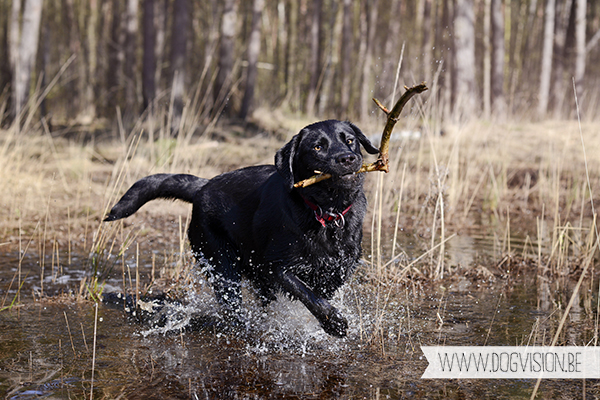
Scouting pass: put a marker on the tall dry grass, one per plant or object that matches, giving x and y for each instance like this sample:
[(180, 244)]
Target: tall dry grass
[(512, 180), (499, 177)]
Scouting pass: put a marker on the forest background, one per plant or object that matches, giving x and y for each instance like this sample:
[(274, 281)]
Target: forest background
[(93, 62)]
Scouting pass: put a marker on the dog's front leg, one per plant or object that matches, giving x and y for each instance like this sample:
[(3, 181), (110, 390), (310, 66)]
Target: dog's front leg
[(328, 316)]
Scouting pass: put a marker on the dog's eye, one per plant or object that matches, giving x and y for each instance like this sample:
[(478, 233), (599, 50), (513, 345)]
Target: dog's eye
[(318, 147), (349, 141)]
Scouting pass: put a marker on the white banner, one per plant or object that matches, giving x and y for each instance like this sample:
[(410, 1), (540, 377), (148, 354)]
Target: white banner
[(511, 362)]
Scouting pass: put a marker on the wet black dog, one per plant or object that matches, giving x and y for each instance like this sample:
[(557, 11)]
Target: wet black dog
[(252, 223)]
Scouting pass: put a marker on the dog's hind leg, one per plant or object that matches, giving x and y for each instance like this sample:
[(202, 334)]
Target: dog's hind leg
[(223, 271)]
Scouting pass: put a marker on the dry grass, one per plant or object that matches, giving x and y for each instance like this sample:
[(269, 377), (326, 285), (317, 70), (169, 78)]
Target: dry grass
[(513, 179)]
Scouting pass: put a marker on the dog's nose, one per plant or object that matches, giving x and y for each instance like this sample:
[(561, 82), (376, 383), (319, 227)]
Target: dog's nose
[(346, 159)]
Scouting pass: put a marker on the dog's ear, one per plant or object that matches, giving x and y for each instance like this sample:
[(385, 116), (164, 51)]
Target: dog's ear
[(366, 143), (284, 160)]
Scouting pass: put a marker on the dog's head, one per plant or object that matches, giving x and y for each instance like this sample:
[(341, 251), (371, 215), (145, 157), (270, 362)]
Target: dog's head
[(331, 147)]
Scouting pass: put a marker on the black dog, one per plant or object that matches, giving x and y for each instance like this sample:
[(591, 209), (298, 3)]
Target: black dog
[(253, 223)]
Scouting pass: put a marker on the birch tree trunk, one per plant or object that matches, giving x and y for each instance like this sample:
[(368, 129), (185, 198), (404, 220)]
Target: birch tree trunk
[(25, 48), (464, 42), (252, 55), (498, 53), (547, 50), (580, 51), (427, 42), (226, 51), (487, 59)]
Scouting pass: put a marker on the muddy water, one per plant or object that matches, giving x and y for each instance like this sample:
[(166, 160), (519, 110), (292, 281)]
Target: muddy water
[(47, 347)]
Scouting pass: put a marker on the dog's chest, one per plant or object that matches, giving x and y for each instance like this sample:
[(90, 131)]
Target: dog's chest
[(330, 250)]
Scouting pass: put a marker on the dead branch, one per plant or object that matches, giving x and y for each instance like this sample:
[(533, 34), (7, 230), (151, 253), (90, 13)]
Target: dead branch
[(382, 162)]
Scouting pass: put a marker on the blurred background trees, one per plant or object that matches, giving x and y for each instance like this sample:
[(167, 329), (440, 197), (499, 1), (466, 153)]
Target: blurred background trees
[(84, 61)]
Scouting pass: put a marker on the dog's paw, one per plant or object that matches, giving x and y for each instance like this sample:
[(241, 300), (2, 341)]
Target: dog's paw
[(335, 324)]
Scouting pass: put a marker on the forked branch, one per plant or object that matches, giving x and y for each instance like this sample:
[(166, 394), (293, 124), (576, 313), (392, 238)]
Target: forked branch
[(382, 162)]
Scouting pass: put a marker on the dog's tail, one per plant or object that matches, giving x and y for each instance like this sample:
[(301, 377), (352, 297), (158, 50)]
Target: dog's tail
[(159, 186)]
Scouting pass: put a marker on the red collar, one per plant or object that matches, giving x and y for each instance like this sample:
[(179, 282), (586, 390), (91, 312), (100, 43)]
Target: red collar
[(326, 216)]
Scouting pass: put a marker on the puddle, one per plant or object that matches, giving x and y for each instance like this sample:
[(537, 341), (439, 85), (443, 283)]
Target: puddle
[(46, 347)]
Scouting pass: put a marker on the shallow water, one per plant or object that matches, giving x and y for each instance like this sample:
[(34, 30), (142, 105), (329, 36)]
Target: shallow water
[(47, 347)]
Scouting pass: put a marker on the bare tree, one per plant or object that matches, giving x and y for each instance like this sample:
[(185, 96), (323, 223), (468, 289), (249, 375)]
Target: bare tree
[(546, 69), (149, 57), (92, 64), (4, 53), (366, 92), (497, 78), (427, 40), (331, 58), (487, 58), (116, 57), (464, 42), (226, 51), (315, 55), (179, 39), (563, 11), (291, 58), (24, 46), (131, 30), (347, 47), (252, 55), (580, 52)]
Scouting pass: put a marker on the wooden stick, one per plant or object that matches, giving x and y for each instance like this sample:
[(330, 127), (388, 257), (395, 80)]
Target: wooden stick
[(382, 162)]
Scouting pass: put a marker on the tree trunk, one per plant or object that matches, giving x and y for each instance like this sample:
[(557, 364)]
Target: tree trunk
[(580, 52), (547, 49), (427, 42), (331, 60), (366, 92), (115, 59), (487, 59), (563, 10), (281, 47), (315, 56), (149, 63), (179, 37), (226, 51), (497, 79), (161, 38), (131, 30), (291, 56), (464, 41), (252, 55), (14, 37), (28, 46), (347, 47), (92, 64), (4, 51)]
